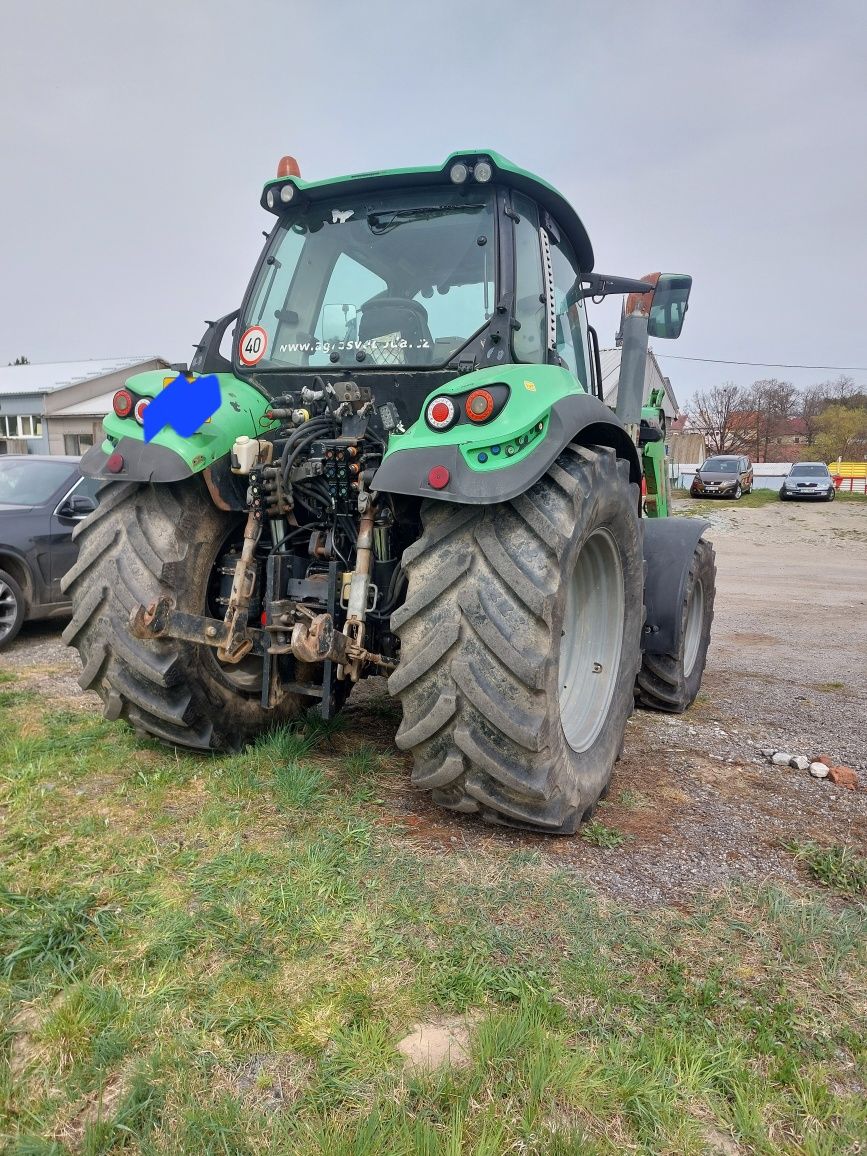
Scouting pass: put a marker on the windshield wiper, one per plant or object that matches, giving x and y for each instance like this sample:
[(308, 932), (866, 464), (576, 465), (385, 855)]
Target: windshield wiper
[(386, 221)]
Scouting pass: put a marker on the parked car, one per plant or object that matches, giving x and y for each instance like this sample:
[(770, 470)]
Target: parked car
[(41, 500), (725, 476), (808, 480)]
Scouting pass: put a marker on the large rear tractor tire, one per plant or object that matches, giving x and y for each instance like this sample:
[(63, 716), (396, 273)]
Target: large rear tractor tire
[(670, 682), (520, 642), (140, 544)]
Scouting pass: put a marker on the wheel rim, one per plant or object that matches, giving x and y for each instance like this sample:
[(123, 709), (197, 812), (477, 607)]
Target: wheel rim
[(694, 623), (8, 609), (592, 640)]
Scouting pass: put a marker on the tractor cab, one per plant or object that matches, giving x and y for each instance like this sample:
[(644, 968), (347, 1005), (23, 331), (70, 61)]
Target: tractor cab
[(425, 274)]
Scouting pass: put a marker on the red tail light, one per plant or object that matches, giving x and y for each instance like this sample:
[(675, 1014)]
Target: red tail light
[(480, 405), (140, 407), (122, 403), (441, 413)]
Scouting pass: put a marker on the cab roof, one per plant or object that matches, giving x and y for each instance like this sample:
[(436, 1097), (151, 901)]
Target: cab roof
[(505, 173)]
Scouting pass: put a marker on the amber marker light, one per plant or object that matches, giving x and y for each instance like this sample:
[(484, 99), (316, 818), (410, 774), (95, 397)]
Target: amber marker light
[(479, 405)]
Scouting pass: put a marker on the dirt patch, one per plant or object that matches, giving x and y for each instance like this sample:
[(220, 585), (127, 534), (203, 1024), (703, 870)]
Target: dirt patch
[(23, 1051), (267, 1081), (437, 1043), (98, 1105)]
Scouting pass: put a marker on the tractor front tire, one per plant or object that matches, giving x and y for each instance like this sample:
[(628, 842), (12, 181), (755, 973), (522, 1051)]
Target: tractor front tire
[(145, 542), (670, 682), (520, 643)]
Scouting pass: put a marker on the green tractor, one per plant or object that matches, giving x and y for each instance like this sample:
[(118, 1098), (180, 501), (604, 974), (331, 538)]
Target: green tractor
[(411, 473)]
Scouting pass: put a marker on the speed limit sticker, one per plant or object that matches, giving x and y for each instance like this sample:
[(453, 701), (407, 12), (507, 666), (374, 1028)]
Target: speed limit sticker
[(254, 342)]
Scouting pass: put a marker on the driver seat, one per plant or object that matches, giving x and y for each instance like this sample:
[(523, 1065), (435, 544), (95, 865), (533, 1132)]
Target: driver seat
[(400, 319)]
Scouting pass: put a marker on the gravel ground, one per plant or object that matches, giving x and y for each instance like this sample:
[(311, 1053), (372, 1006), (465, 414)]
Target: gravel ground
[(698, 805)]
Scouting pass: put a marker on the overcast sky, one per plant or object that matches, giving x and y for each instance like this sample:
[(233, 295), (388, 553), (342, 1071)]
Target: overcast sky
[(724, 139)]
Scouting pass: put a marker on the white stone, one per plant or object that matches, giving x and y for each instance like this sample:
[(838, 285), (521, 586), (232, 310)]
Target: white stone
[(799, 762), (781, 758), (818, 770)]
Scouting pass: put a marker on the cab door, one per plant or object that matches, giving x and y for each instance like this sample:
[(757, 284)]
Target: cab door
[(73, 507)]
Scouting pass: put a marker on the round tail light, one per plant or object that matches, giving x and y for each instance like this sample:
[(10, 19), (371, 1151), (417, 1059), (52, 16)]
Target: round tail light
[(479, 405), (440, 413), (122, 403), (140, 407)]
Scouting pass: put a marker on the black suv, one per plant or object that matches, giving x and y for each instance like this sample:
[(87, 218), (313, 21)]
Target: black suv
[(41, 500)]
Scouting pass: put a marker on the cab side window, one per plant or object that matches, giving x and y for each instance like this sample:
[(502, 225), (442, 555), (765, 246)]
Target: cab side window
[(528, 342), (569, 310)]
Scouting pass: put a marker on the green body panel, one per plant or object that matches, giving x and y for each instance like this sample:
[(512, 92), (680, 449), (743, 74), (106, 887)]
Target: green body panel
[(654, 462), (242, 411), (506, 172), (503, 165), (517, 427)]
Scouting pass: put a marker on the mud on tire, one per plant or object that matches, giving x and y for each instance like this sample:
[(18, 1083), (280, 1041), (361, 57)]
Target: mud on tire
[(142, 543), (670, 682), (481, 632)]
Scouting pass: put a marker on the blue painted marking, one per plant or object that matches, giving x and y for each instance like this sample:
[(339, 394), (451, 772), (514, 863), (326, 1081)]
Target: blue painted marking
[(184, 405)]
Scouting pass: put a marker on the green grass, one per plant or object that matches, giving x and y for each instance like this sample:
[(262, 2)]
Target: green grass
[(837, 867), (221, 956), (598, 835)]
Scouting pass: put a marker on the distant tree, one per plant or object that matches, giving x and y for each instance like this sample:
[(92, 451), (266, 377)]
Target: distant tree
[(840, 389), (842, 433), (719, 414), (812, 404), (20, 361), (772, 404)]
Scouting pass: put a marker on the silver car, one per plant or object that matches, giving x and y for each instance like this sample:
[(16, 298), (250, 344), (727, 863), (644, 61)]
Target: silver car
[(808, 480)]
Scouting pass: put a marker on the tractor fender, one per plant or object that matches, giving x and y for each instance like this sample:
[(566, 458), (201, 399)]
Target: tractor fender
[(142, 462), (170, 457), (577, 417), (669, 544)]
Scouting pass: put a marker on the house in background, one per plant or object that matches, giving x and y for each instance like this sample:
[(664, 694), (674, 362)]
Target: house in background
[(686, 445), (58, 408), (653, 379)]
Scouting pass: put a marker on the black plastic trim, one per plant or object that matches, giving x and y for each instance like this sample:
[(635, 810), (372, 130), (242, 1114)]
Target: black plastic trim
[(142, 462)]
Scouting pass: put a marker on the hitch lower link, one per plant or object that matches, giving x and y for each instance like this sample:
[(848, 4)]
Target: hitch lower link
[(313, 639)]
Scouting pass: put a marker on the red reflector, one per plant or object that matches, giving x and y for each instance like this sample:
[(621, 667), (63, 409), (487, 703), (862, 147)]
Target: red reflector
[(439, 412), (438, 478), (288, 167), (114, 463), (480, 405), (140, 407), (122, 402)]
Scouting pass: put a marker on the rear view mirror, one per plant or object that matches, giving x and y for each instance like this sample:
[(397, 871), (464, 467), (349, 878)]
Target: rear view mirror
[(669, 306), (77, 507)]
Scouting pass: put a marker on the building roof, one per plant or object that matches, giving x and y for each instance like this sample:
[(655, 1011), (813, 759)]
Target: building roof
[(91, 407), (653, 377), (51, 376)]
